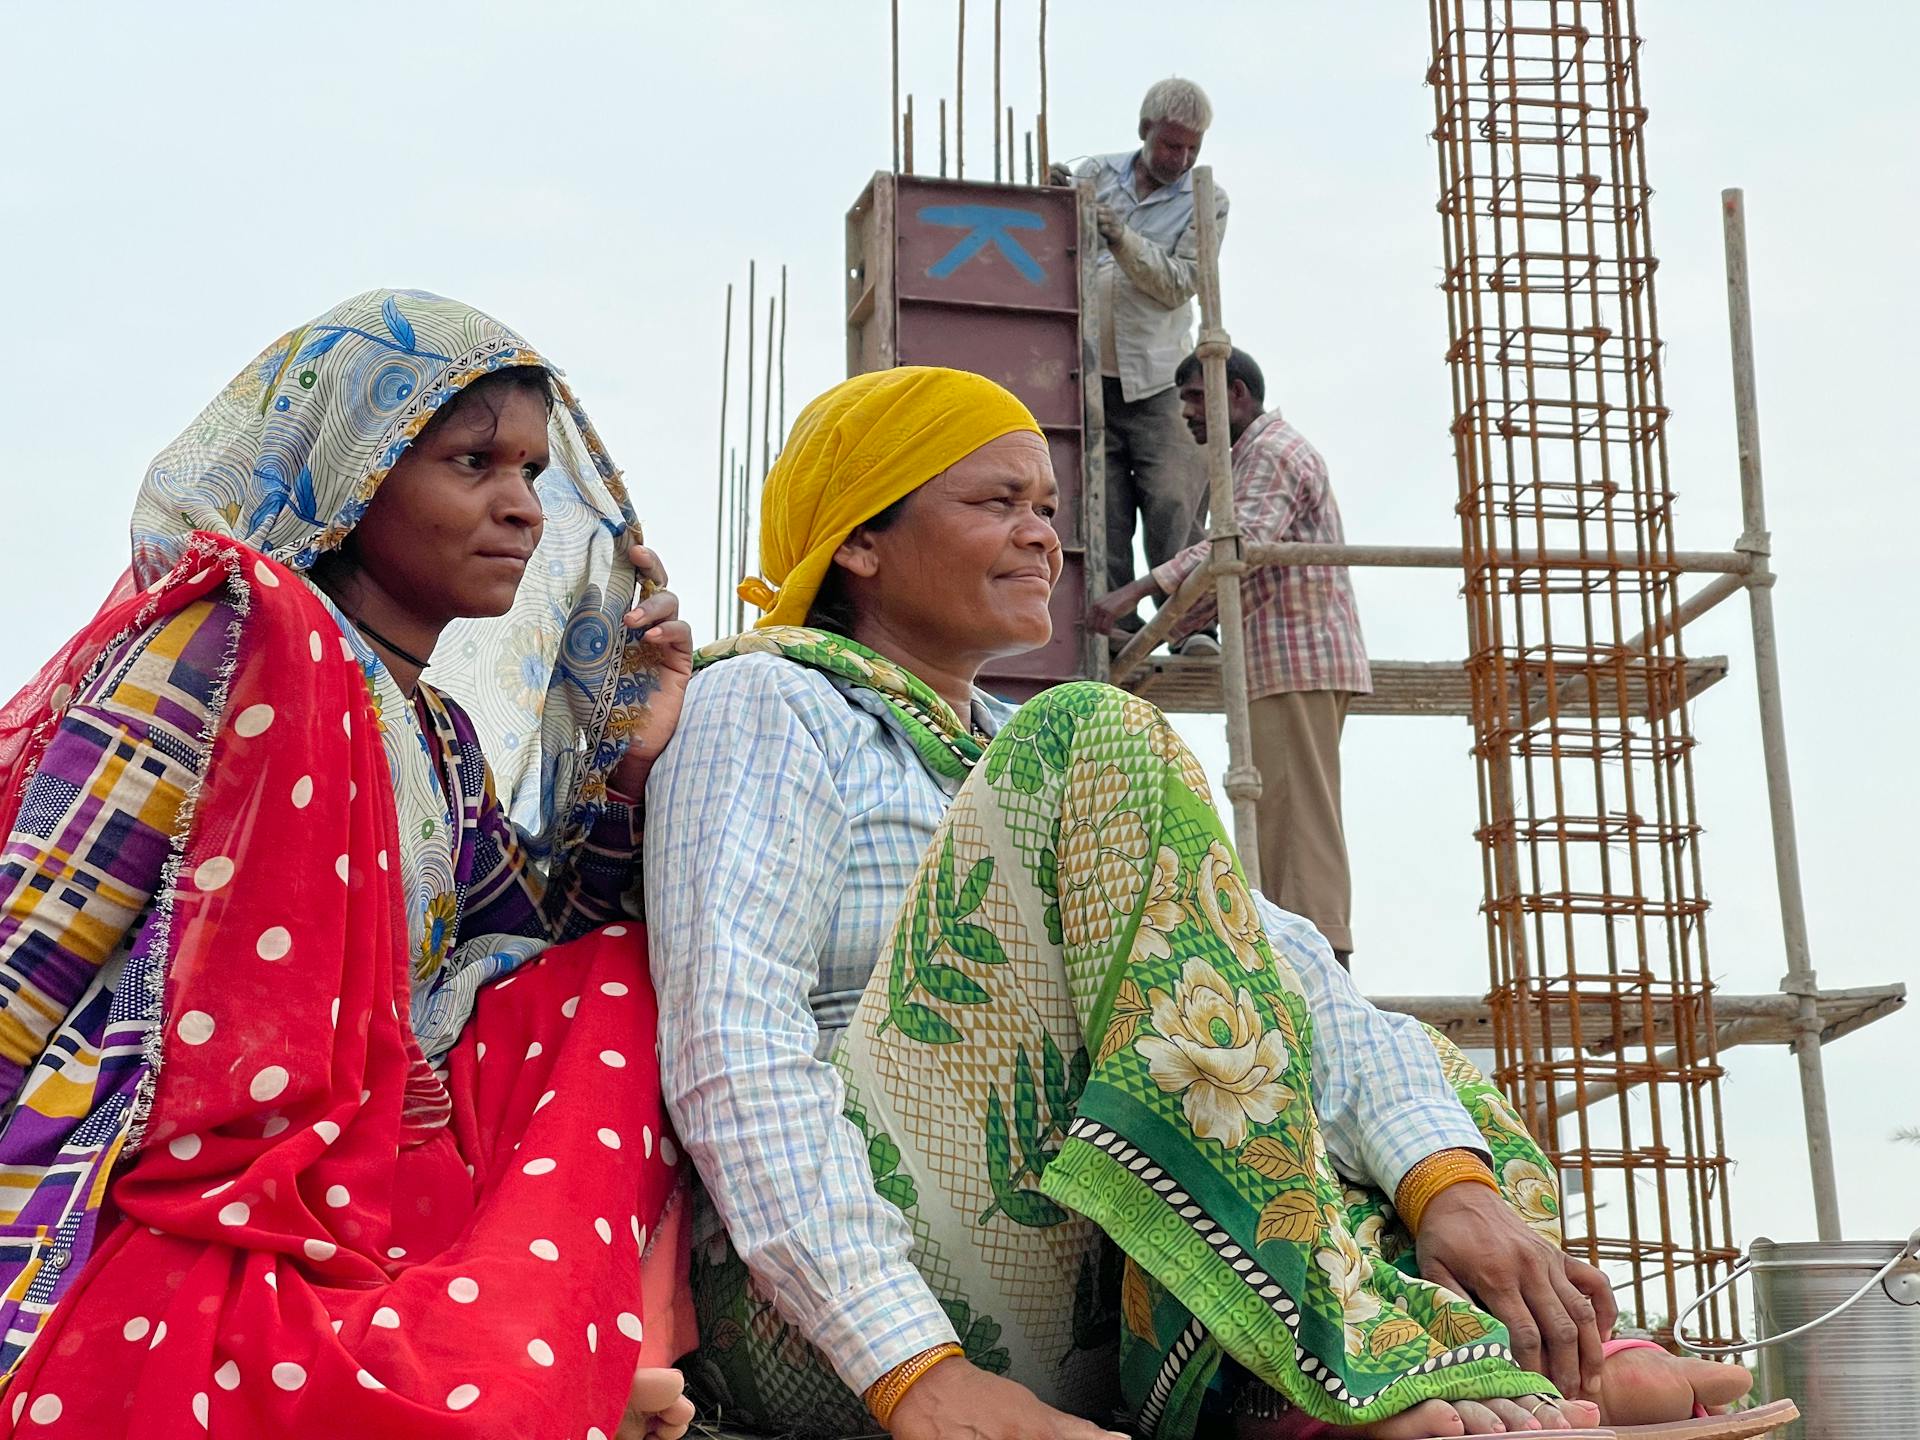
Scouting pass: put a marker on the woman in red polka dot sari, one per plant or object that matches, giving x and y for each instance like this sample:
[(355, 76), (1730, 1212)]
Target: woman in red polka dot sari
[(328, 1048)]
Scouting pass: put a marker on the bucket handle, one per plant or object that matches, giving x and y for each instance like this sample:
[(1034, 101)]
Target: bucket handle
[(1907, 1251)]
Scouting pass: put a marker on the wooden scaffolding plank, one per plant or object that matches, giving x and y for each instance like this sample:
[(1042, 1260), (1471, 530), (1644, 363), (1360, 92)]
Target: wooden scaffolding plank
[(1191, 685), (1739, 1019)]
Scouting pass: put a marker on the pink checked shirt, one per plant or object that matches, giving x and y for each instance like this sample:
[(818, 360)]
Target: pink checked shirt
[(1303, 632)]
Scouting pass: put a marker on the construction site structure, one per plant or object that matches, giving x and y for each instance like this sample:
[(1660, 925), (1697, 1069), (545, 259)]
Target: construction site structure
[(1602, 1014), (1604, 1021)]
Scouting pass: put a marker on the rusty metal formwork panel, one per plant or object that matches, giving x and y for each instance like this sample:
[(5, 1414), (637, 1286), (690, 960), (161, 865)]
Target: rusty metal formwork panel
[(990, 278), (1601, 999)]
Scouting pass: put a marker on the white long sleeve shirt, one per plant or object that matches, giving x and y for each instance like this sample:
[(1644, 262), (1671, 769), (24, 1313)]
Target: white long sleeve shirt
[(1147, 277), (784, 825)]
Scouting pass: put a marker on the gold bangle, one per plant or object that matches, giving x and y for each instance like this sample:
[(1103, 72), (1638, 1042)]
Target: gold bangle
[(1439, 1171), (887, 1392)]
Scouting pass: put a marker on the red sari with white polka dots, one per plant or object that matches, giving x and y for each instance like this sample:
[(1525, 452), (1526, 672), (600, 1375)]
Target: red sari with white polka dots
[(286, 1255)]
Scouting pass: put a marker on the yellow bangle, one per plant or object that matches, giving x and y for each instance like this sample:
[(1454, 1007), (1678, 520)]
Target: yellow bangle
[(1439, 1171), (886, 1392)]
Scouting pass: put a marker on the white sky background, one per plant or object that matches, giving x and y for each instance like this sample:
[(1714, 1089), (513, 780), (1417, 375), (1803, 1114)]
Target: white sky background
[(182, 183)]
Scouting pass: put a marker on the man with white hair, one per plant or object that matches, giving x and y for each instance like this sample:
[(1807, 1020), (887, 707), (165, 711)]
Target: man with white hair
[(1143, 308)]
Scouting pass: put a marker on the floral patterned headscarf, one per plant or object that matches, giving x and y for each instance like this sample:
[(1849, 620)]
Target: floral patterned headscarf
[(287, 458)]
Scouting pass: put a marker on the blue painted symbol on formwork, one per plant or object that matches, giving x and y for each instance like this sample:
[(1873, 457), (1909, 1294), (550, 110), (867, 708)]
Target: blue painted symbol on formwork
[(985, 224)]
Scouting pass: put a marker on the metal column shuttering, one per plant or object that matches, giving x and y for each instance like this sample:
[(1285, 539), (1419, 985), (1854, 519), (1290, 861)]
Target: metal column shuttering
[(990, 278)]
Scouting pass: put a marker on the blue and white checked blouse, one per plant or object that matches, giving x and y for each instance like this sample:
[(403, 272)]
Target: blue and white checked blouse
[(784, 824)]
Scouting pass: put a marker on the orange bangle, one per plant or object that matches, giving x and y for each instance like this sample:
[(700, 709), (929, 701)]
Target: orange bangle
[(1439, 1171), (887, 1392)]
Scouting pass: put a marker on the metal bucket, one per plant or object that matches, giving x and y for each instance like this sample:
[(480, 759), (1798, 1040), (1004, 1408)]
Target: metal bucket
[(1856, 1374)]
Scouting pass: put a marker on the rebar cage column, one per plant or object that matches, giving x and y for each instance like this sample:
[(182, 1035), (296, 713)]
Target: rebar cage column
[(1590, 849)]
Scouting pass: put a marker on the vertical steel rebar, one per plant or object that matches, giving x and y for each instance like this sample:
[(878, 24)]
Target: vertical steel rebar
[(1755, 542), (1040, 124), (781, 436), (740, 499), (766, 401), (960, 97), (730, 591), (996, 102), (720, 513)]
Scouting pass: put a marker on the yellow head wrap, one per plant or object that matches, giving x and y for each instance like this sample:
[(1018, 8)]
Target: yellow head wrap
[(855, 450)]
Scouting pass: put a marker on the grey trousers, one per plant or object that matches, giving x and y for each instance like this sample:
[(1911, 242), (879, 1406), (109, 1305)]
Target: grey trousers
[(1154, 468)]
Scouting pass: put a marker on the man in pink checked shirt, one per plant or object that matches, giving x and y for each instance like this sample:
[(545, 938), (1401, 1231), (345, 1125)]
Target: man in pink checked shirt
[(1305, 656)]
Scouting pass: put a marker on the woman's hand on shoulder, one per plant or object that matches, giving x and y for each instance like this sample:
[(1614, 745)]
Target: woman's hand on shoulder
[(656, 620), (957, 1401)]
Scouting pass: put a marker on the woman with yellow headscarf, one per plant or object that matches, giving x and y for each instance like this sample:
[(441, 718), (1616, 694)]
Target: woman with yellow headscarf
[(1002, 1085)]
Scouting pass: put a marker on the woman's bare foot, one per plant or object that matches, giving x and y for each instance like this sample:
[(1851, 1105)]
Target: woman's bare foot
[(1644, 1387), (657, 1407), (1637, 1387), (1443, 1419)]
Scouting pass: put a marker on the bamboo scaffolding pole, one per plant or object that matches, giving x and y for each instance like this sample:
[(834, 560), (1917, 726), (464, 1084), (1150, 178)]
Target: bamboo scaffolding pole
[(1756, 544), (1574, 692), (1243, 778), (943, 137), (1029, 157), (720, 493), (1011, 177), (895, 51), (909, 135)]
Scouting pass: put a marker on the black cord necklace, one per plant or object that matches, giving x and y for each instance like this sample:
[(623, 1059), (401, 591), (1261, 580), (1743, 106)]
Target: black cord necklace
[(379, 639)]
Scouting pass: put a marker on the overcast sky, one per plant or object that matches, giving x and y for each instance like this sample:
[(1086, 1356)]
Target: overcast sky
[(182, 183)]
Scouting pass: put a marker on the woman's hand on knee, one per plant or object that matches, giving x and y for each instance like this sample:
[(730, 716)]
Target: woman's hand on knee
[(956, 1401), (657, 1407), (1473, 1243)]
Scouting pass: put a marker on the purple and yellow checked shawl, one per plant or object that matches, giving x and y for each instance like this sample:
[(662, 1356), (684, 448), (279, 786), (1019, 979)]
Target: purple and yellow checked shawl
[(78, 878)]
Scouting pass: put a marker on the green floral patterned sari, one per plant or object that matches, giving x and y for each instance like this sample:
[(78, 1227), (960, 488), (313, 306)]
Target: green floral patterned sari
[(1084, 1077)]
